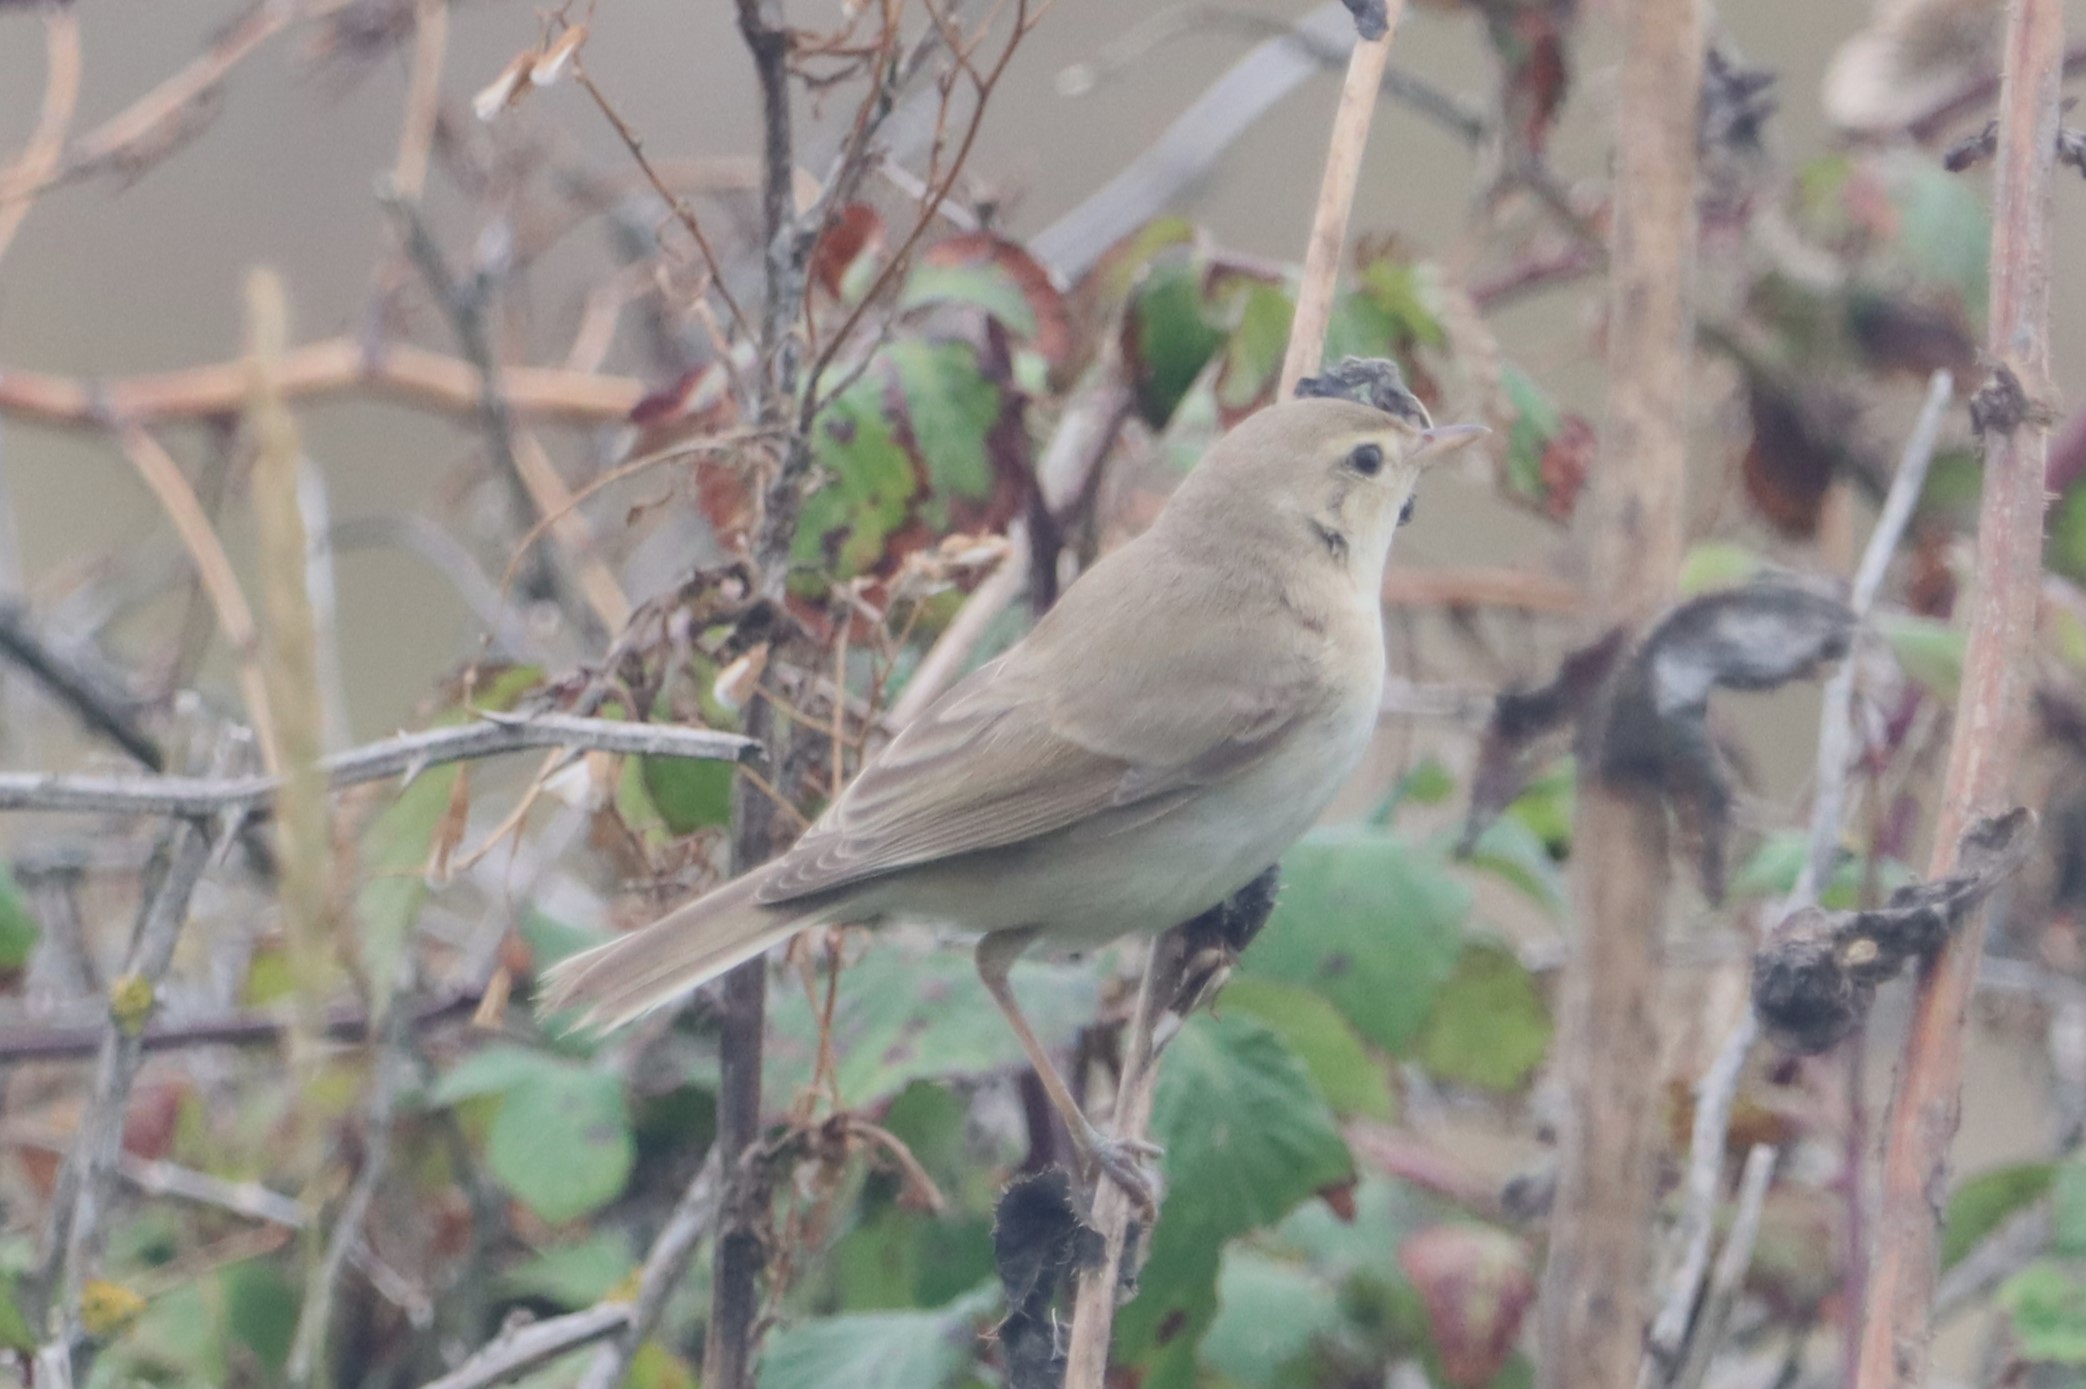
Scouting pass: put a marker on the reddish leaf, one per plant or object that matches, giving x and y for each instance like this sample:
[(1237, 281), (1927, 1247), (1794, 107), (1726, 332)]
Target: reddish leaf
[(149, 1123), (1477, 1286), (698, 402), (1053, 336), (1801, 439), (1567, 459), (851, 233)]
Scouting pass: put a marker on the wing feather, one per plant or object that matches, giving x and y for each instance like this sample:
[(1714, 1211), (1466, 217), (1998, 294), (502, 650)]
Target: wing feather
[(1032, 743)]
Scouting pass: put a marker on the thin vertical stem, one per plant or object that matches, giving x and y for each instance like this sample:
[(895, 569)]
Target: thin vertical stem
[(1991, 715), (1594, 1298), (1343, 170)]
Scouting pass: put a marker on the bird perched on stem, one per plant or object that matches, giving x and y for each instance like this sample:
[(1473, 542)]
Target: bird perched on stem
[(1169, 728)]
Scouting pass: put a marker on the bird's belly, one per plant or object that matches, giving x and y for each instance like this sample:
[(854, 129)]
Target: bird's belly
[(1131, 870)]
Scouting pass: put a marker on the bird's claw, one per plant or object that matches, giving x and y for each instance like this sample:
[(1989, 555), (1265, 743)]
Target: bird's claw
[(1132, 1164)]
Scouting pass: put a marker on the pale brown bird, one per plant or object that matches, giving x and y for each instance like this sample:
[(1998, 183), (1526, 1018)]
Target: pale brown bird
[(1169, 728)]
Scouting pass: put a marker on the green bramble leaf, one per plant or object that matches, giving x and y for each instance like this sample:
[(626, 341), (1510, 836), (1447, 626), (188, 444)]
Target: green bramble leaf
[(1370, 922), (1490, 1027)]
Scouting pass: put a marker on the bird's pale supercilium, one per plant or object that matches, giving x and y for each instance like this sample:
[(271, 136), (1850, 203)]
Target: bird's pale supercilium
[(1169, 728)]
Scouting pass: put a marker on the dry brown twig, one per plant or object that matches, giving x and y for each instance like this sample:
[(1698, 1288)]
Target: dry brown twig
[(235, 619), (46, 146), (332, 366), (1991, 715), (1593, 1296), (1343, 170)]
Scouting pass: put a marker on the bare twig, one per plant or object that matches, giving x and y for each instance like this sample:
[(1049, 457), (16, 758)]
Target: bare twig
[(72, 1237), (1593, 1294), (740, 1256), (468, 305), (665, 1265), (1093, 1308), (523, 1346), (235, 618), (247, 1028), (1718, 1090), (75, 686), (1194, 141), (61, 94), (1732, 1262), (1991, 716), (334, 366), (307, 1362), (407, 754), (1836, 720), (1343, 170), (416, 136)]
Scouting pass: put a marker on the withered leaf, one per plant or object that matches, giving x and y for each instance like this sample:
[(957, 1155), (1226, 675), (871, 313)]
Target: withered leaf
[(1814, 977), (1370, 381), (1656, 728), (1522, 720), (1038, 1240)]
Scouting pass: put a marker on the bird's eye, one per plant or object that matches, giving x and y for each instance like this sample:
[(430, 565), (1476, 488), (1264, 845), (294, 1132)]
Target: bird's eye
[(1367, 459), (1405, 512)]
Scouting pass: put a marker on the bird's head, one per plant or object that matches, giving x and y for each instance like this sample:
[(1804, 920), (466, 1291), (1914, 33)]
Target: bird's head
[(1334, 475)]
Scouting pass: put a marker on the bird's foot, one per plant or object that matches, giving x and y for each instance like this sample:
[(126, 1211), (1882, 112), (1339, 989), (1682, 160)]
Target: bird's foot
[(1131, 1163)]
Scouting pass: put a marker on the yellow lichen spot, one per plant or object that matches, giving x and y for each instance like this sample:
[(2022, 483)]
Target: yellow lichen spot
[(107, 1310), (1859, 952), (626, 1289), (130, 1002)]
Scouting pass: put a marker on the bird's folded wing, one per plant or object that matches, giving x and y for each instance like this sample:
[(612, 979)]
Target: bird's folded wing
[(1001, 759)]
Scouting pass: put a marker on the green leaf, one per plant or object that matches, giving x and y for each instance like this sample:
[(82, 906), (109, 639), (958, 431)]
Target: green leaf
[(1944, 230), (494, 1071), (1982, 1203), (1536, 422), (1370, 922), (2067, 548), (260, 1310), (2047, 1302), (1490, 1027), (869, 486), (875, 1350), (1169, 336), (1772, 872), (904, 1014), (1270, 1312), (1428, 783), (1512, 851), (572, 1275), (1253, 353), (2068, 1210), (550, 940), (1247, 1137), (18, 929), (1715, 564), (560, 1140), (14, 1327), (951, 409), (690, 793), (393, 861), (1352, 1081), (983, 284), (1931, 652), (1545, 806)]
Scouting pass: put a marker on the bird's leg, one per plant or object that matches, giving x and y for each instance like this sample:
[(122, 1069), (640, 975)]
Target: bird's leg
[(1126, 1162)]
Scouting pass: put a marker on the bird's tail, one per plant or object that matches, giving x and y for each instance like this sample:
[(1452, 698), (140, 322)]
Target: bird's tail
[(615, 983)]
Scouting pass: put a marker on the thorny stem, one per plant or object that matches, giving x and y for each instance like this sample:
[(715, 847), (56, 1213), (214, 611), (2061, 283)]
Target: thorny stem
[(80, 1199), (1992, 711)]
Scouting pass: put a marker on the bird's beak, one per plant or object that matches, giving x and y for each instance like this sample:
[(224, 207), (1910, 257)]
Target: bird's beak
[(1444, 439)]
